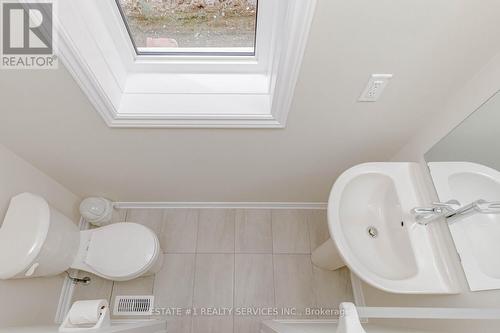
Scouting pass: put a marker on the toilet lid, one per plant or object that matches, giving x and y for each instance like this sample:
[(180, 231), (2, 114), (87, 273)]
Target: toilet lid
[(122, 249), (22, 233)]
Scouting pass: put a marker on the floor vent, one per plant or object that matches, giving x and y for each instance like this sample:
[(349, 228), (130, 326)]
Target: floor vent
[(133, 305)]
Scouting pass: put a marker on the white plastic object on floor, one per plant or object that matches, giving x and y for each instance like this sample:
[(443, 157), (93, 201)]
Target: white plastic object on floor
[(97, 211), (87, 315), (349, 319)]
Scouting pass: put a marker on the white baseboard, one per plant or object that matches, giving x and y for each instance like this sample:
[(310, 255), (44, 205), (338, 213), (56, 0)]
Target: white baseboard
[(223, 205)]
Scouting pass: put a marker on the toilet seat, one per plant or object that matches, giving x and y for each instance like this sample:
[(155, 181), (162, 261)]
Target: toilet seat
[(121, 251)]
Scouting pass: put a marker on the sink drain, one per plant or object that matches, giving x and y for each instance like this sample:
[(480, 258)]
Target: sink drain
[(372, 231)]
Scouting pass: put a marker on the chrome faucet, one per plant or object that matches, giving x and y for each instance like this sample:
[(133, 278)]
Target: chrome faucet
[(426, 215), (479, 206), (452, 211)]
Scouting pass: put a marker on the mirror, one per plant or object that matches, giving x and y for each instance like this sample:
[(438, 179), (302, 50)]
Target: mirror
[(476, 139), (465, 166)]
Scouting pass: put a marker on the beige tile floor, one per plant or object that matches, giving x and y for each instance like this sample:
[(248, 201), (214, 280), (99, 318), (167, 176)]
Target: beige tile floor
[(237, 259)]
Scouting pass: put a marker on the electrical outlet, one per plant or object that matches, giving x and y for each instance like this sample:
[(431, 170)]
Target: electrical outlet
[(374, 88)]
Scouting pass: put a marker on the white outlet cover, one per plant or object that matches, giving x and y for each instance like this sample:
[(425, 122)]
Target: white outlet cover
[(374, 88)]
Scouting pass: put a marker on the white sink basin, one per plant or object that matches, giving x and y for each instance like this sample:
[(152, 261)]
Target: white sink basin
[(370, 222), (476, 236)]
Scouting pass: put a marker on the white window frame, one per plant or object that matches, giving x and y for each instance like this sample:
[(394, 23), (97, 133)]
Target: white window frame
[(131, 90)]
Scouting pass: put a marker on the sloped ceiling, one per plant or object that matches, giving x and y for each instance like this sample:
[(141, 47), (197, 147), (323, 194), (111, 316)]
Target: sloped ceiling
[(431, 46)]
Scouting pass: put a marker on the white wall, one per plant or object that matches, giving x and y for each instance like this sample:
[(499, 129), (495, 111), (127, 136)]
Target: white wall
[(469, 98), (30, 301)]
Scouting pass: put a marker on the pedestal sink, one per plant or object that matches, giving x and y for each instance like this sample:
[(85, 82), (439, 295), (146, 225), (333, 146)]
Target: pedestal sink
[(377, 237)]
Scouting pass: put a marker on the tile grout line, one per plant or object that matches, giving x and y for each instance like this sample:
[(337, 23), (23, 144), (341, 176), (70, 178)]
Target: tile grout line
[(234, 263), (164, 216), (272, 261), (111, 293), (161, 235), (234, 253), (195, 264), (163, 220), (314, 287), (314, 290)]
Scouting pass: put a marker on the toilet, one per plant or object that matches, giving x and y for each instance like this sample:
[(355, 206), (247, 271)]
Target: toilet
[(37, 240)]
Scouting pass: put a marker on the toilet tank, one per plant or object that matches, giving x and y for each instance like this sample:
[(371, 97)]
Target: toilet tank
[(35, 239)]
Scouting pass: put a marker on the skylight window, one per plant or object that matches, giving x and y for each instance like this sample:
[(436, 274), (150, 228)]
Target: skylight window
[(191, 27), (186, 63)]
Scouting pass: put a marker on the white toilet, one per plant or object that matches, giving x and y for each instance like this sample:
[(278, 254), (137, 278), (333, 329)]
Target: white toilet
[(37, 240)]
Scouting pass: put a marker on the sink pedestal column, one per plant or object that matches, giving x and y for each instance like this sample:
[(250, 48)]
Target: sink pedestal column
[(327, 256)]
